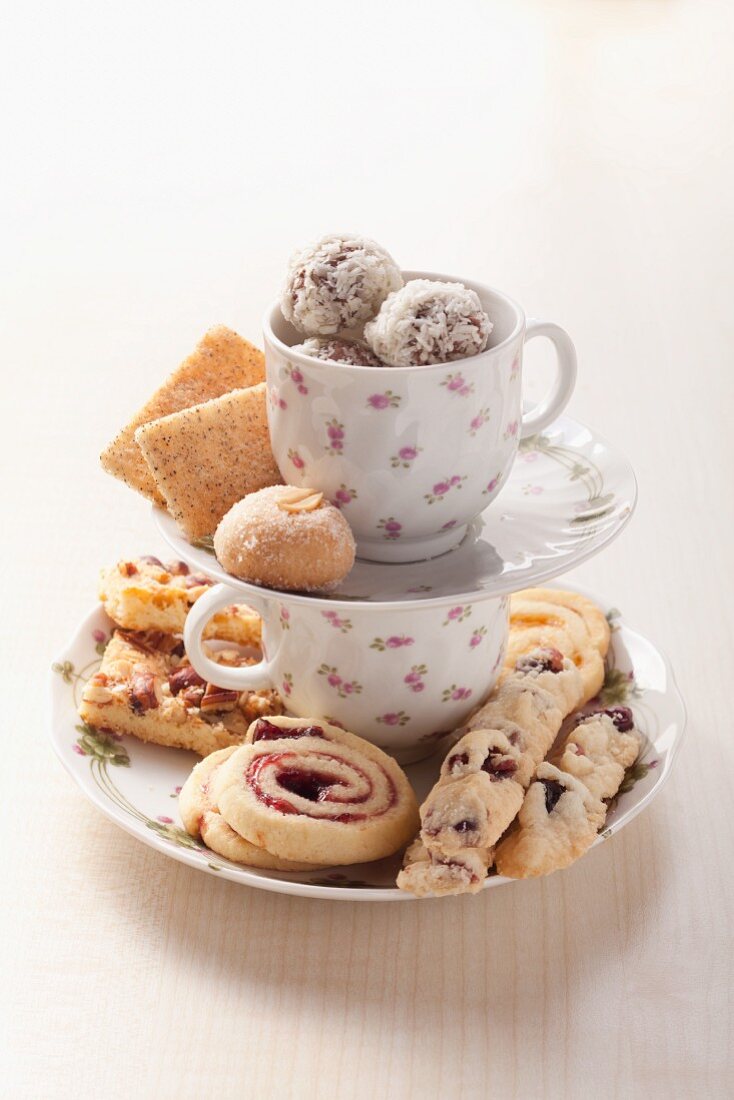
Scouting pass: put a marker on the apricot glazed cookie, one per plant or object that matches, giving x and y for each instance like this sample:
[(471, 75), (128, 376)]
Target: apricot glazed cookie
[(283, 537), (308, 791)]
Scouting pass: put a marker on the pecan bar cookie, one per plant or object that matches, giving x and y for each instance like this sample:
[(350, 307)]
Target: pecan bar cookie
[(146, 687), (144, 594)]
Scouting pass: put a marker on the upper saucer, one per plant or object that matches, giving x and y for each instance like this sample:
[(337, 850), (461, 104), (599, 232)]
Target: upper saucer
[(568, 494)]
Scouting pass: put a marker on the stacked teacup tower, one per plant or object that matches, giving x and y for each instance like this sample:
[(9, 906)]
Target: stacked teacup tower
[(398, 396)]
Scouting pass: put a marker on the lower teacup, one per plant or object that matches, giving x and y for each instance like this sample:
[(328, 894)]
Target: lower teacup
[(402, 675)]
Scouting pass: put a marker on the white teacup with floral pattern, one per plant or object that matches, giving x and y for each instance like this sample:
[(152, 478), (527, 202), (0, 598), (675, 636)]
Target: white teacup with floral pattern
[(410, 454), (402, 675)]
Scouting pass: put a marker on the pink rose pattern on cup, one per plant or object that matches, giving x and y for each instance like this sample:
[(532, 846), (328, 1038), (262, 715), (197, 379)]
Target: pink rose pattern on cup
[(335, 435), (457, 384), (296, 378), (342, 687), (455, 694), (343, 496), (477, 637), (335, 620), (532, 490), (457, 615), (395, 641), (405, 457), (441, 488), (296, 459), (393, 718), (386, 400), (511, 430), (414, 678), (286, 686), (478, 421), (276, 401), (285, 616), (492, 484), (390, 528)]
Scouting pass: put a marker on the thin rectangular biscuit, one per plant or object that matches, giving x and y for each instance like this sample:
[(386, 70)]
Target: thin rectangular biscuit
[(206, 458), (222, 361)]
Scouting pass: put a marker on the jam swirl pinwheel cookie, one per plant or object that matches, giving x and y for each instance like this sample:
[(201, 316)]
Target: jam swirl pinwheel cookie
[(427, 874), (565, 621), (557, 823), (310, 792), (201, 818)]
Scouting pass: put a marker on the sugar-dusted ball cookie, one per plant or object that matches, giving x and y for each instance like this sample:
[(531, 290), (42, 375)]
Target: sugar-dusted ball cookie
[(284, 537), (337, 283), (428, 322), (334, 350)]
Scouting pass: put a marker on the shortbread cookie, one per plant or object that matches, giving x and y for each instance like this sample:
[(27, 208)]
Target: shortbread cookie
[(201, 819), (146, 687), (144, 594), (223, 361), (427, 874), (287, 538), (599, 749), (552, 623), (557, 823), (206, 458), (319, 795)]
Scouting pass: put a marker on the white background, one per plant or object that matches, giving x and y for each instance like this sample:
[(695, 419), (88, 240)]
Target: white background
[(159, 162)]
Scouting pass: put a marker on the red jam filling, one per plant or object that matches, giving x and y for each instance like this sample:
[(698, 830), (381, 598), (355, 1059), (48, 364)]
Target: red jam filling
[(268, 731), (543, 660), (315, 786)]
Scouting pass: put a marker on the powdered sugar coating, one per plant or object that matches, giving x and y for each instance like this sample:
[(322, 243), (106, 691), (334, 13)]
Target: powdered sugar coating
[(259, 542), (429, 322), (337, 283), (335, 350)]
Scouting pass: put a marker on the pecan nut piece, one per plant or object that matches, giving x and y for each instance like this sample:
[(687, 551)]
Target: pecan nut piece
[(143, 693), (218, 700), (186, 677)]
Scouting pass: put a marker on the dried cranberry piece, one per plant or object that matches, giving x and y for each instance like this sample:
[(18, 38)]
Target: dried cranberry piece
[(622, 717), (194, 580), (497, 768), (177, 568), (543, 660), (268, 731), (458, 760), (553, 791), (465, 826), (183, 678), (149, 559)]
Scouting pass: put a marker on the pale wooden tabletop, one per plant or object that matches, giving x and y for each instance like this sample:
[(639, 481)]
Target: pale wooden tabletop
[(163, 161)]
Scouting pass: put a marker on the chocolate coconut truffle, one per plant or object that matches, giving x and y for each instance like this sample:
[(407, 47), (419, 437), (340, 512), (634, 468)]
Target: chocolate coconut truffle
[(337, 283), (428, 322), (334, 350)]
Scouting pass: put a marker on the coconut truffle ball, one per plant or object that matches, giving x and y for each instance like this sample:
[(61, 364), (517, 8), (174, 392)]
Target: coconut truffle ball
[(284, 537), (337, 283), (428, 322), (334, 350)]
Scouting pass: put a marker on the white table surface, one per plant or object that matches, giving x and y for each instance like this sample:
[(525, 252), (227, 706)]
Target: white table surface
[(160, 162)]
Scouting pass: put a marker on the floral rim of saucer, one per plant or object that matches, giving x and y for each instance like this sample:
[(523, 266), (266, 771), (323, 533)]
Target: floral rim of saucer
[(136, 784), (568, 495)]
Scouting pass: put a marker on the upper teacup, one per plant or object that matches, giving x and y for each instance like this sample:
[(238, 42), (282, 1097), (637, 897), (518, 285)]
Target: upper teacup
[(410, 454)]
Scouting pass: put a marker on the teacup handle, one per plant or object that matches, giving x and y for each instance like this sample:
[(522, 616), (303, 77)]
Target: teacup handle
[(251, 678), (557, 399)]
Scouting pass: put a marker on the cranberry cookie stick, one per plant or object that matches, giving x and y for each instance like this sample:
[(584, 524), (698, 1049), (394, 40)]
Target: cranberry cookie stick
[(563, 812), (484, 777)]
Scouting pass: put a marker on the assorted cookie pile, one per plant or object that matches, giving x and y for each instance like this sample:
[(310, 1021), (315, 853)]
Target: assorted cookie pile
[(525, 785)]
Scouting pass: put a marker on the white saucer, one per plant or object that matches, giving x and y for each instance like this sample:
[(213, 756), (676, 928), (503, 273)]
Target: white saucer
[(136, 784), (568, 495)]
